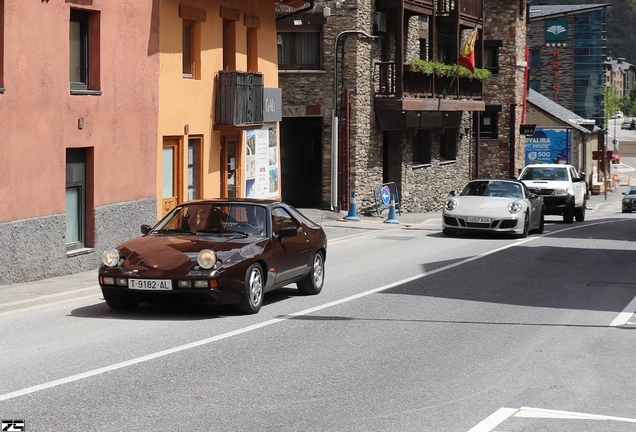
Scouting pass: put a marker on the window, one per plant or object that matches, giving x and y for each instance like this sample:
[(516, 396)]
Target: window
[(448, 144), (194, 169), (535, 59), (84, 52), (299, 50), (75, 199), (282, 219), (229, 45), (187, 51), (535, 85), (252, 50), (422, 147), (491, 56), (488, 123)]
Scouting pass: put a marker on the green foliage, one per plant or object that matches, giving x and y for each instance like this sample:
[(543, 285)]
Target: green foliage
[(445, 70)]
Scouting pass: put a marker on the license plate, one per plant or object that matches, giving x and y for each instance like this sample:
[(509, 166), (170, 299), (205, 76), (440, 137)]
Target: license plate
[(475, 219), (150, 284)]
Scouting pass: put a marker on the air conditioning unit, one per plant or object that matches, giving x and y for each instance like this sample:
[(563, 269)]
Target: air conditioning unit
[(380, 23)]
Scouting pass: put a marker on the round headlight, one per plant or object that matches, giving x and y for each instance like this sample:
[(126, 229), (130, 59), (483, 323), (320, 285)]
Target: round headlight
[(110, 257), (451, 205), (515, 207), (206, 259)]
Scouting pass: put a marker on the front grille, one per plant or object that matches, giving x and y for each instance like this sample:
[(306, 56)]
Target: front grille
[(541, 191), (450, 221), (510, 223), (478, 225)]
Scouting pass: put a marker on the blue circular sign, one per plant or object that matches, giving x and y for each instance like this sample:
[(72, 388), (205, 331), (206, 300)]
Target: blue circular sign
[(385, 194)]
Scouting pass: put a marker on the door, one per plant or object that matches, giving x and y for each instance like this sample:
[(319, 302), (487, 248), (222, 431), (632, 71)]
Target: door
[(170, 175), (293, 253), (230, 184)]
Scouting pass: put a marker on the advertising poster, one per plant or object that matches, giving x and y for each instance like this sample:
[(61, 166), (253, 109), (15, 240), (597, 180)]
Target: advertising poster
[(261, 163), (548, 146)]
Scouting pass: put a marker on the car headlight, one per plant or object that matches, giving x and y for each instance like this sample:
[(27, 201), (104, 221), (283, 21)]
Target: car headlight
[(206, 259), (560, 192), (110, 257), (451, 204), (515, 207)]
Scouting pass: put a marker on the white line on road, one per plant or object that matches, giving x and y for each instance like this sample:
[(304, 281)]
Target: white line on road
[(624, 317), (237, 332)]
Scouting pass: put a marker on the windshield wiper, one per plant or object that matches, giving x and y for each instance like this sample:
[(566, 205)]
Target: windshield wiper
[(174, 230), (221, 231)]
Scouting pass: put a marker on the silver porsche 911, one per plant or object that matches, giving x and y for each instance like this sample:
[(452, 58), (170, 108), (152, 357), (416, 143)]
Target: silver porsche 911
[(494, 205)]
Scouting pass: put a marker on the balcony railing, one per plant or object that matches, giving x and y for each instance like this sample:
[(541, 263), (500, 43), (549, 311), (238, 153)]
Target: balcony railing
[(239, 98), (419, 85)]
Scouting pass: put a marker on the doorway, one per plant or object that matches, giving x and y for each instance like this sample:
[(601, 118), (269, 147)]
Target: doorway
[(229, 172), (301, 161), (170, 184)]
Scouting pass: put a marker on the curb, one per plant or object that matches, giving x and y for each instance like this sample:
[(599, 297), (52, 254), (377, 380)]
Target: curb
[(51, 298)]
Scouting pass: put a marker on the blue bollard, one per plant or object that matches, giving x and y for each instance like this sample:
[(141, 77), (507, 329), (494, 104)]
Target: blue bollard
[(391, 218), (353, 209)]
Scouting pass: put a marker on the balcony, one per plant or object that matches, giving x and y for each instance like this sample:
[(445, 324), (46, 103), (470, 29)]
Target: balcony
[(239, 99), (418, 92)]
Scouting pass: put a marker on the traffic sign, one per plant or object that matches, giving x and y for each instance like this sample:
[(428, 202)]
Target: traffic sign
[(385, 193), (527, 129), (598, 155)]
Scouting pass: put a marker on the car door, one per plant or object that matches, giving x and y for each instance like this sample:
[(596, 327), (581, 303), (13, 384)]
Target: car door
[(292, 254), (578, 185), (535, 203)]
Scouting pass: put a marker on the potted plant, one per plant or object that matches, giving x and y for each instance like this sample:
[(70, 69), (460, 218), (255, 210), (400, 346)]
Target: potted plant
[(429, 67)]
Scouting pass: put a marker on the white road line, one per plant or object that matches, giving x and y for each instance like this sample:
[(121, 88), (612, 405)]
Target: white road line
[(494, 420), (555, 414), (237, 332), (624, 317)]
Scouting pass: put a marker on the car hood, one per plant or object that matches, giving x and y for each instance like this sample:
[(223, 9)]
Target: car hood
[(486, 204), (179, 252)]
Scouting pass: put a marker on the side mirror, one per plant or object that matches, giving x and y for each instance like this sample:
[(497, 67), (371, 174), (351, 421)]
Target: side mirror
[(453, 193), (145, 229), (287, 232)]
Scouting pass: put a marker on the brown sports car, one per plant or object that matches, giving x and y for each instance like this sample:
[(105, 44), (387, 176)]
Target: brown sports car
[(220, 251)]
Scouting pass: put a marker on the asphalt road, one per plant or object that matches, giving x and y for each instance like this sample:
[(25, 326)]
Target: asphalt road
[(413, 332)]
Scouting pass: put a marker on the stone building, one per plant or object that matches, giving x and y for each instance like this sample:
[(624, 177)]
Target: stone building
[(567, 55), (501, 147), (347, 63)]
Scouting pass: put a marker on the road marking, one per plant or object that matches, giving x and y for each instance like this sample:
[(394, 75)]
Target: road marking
[(503, 414), (624, 317), (142, 359)]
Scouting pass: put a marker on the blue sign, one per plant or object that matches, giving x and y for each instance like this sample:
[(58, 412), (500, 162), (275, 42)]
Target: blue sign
[(385, 193), (548, 146)]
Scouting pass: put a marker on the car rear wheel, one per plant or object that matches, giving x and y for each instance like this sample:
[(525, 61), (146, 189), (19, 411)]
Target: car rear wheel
[(252, 298), (312, 283), (119, 304)]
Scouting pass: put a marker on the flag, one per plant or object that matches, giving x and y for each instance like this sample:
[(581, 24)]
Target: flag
[(467, 53)]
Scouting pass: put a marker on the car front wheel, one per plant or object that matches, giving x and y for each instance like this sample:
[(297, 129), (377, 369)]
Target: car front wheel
[(252, 298), (312, 283)]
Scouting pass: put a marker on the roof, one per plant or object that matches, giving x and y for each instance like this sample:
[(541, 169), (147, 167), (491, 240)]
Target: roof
[(558, 111), (538, 12)]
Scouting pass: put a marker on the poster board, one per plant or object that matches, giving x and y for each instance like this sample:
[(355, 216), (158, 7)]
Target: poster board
[(262, 155), (549, 146)]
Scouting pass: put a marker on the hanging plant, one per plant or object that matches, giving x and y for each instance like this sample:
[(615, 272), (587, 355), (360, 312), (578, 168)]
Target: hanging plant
[(428, 67)]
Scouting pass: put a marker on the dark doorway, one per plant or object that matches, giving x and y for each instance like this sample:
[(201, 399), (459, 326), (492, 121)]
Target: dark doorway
[(301, 161)]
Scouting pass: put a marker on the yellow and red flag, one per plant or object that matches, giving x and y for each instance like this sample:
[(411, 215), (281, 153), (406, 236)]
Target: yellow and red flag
[(467, 53)]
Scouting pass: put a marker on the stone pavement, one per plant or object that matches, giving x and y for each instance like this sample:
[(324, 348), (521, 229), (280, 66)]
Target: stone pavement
[(55, 289)]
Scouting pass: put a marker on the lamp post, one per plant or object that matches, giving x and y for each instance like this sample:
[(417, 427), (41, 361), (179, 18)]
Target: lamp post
[(335, 120)]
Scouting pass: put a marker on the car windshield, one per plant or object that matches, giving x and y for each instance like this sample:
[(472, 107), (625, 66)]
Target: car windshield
[(493, 189), (546, 173), (631, 191), (214, 218)]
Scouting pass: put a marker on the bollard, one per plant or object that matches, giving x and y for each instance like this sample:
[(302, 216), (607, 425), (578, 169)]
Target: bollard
[(353, 209), (391, 218)]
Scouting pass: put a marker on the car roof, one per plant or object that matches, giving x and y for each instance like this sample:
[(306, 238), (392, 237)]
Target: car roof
[(255, 201), (511, 180)]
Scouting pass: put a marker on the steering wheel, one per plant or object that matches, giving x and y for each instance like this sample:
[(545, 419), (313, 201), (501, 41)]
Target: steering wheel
[(245, 225)]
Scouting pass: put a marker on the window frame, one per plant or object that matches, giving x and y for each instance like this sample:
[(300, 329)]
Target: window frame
[(76, 180), (421, 153), (492, 46), (293, 32), (491, 131), (448, 144), (89, 52), (195, 168)]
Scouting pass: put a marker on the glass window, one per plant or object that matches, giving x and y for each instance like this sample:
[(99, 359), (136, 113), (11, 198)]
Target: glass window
[(298, 50), (281, 219), (188, 45), (78, 61), (194, 168), (488, 126), (535, 59), (167, 176), (75, 198), (448, 144), (422, 147)]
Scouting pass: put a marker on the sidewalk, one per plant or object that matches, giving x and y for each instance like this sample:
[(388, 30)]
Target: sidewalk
[(20, 296)]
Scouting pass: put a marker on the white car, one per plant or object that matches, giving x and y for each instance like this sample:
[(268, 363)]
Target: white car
[(563, 189), (493, 205)]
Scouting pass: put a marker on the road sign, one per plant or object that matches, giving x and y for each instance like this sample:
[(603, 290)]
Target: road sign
[(385, 193), (527, 129), (598, 155)]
